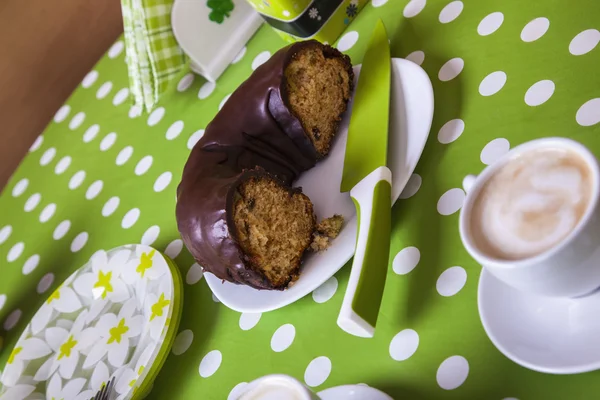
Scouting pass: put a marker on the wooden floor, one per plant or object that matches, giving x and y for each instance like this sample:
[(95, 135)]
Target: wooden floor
[(46, 48)]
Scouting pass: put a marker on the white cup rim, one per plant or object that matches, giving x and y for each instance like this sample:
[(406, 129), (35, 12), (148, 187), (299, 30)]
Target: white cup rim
[(277, 377), (485, 175)]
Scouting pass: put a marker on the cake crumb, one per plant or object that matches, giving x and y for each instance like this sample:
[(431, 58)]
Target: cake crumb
[(325, 232)]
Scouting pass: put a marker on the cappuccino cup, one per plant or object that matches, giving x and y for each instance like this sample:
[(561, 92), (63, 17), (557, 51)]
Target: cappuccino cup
[(276, 387), (532, 218)]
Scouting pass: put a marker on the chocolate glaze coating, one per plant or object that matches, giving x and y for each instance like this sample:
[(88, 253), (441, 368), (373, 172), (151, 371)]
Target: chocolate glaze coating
[(254, 134)]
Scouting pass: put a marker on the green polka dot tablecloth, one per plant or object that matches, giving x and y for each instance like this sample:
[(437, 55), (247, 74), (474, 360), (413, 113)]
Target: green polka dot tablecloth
[(102, 175)]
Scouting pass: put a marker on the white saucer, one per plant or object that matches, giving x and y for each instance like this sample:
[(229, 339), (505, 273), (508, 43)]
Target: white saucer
[(411, 114), (551, 335), (353, 392)]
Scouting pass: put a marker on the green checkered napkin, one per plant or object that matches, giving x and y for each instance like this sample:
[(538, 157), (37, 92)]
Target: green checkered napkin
[(153, 56)]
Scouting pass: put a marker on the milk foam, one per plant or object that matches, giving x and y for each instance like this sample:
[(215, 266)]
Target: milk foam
[(531, 204)]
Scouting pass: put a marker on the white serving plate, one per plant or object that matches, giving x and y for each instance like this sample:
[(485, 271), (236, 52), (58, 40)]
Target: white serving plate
[(411, 115), (545, 334)]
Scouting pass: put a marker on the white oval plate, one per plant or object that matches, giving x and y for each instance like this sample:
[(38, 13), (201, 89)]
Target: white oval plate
[(411, 114), (112, 318), (545, 334)]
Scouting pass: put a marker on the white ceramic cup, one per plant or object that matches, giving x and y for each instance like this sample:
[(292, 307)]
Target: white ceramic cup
[(571, 267), (276, 387)]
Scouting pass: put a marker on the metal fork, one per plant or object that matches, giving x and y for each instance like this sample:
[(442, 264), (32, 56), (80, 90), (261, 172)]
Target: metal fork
[(105, 390)]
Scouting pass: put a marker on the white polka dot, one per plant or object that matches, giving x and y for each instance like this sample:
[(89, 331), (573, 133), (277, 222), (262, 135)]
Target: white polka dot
[(224, 101), (451, 131), (124, 155), (215, 298), (15, 251), (47, 156), (584, 42), (77, 120), (589, 113), (451, 11), (451, 281), (210, 363), (378, 3), (406, 260), (36, 143), (413, 8), (539, 93), (283, 337), (239, 56), (185, 82), (108, 141), (94, 189), (61, 230), (492, 83), (79, 241), (116, 49), (182, 342), (451, 69), (135, 111), (89, 79), (110, 206), (412, 186), (194, 138), (326, 290), (206, 90), (121, 96), (32, 202), (45, 283), (249, 320), (20, 187), (62, 165), (91, 133), (237, 391), (62, 113), (452, 372), (451, 201), (174, 130), (12, 320), (2, 301), (490, 24), (130, 218), (104, 90), (47, 212), (404, 345), (5, 233), (174, 248), (162, 181), (535, 29), (416, 56), (150, 235), (156, 116), (31, 264), (260, 59), (317, 371), (194, 274), (286, 13), (347, 41), (143, 165), (76, 180), (494, 150)]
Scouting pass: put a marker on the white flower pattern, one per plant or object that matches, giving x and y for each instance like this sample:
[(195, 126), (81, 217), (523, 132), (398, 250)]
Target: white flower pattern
[(108, 320)]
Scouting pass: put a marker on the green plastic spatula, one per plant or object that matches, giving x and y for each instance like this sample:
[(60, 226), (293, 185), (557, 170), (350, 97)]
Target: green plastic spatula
[(368, 179)]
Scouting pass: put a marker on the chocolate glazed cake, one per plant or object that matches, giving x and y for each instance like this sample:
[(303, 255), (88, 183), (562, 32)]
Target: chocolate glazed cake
[(236, 210)]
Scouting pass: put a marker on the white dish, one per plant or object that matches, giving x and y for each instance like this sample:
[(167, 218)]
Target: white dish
[(353, 392), (411, 115), (545, 334)]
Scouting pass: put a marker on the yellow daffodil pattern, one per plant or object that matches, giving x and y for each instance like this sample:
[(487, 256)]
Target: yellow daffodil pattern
[(157, 308), (104, 282), (117, 332), (66, 347), (13, 354), (145, 263)]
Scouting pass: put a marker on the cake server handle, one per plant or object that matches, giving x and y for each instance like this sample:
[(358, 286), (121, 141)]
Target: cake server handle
[(360, 308)]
